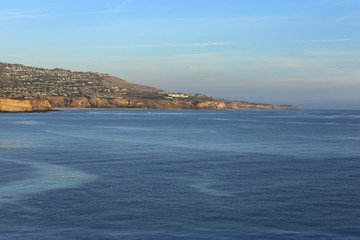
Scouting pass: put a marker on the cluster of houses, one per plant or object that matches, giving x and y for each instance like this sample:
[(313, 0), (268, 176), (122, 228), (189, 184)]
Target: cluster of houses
[(18, 79)]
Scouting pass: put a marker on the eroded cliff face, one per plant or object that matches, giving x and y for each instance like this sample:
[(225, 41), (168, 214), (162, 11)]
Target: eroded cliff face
[(244, 105), (14, 105), (46, 103), (211, 105), (94, 102), (40, 105)]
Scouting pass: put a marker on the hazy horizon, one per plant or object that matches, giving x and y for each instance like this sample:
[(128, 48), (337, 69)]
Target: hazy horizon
[(281, 52)]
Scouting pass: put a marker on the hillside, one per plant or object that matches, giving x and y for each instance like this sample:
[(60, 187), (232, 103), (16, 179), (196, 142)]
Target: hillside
[(68, 89)]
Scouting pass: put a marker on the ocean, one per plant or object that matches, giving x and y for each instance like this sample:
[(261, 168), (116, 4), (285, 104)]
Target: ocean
[(147, 174)]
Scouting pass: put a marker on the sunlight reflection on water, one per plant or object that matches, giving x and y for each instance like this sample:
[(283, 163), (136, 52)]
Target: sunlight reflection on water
[(48, 177)]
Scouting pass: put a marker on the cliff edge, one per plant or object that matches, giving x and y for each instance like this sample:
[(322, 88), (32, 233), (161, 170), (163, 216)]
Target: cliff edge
[(15, 105), (161, 104)]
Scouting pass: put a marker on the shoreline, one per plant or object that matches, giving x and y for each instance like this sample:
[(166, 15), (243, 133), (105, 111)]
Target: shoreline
[(137, 109), (152, 109)]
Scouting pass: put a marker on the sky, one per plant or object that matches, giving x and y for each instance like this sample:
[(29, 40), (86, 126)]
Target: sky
[(304, 53)]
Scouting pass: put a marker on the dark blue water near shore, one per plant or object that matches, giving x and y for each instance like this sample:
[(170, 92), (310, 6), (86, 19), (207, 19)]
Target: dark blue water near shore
[(117, 174)]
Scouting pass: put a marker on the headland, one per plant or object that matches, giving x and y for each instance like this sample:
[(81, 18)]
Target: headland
[(29, 89)]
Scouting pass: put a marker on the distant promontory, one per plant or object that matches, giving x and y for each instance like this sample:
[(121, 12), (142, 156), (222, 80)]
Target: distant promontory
[(28, 89)]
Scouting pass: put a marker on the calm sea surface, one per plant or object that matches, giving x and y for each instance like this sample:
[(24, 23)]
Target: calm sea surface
[(131, 174)]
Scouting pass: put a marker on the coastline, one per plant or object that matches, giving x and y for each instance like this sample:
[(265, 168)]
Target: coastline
[(46, 104), (170, 109), (36, 111), (132, 109)]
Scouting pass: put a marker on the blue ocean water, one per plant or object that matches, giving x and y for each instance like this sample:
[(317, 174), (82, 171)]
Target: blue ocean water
[(135, 174)]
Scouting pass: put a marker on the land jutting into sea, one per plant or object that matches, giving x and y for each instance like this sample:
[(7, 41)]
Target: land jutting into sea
[(30, 89)]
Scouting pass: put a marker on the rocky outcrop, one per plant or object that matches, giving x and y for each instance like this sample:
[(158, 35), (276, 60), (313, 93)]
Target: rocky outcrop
[(245, 105), (15, 105), (211, 105), (40, 105)]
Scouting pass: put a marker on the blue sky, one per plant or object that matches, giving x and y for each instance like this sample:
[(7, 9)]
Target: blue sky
[(305, 53)]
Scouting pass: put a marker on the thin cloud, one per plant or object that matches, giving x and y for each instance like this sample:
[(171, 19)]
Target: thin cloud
[(352, 73), (39, 13), (108, 11), (334, 53), (205, 44), (23, 14), (331, 40), (128, 46)]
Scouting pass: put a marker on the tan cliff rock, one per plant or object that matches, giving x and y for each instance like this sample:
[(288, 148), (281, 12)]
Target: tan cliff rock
[(40, 105), (95, 102), (14, 105), (211, 105), (46, 103)]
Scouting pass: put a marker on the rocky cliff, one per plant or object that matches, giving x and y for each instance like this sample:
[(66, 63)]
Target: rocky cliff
[(15, 105), (95, 102), (46, 103)]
